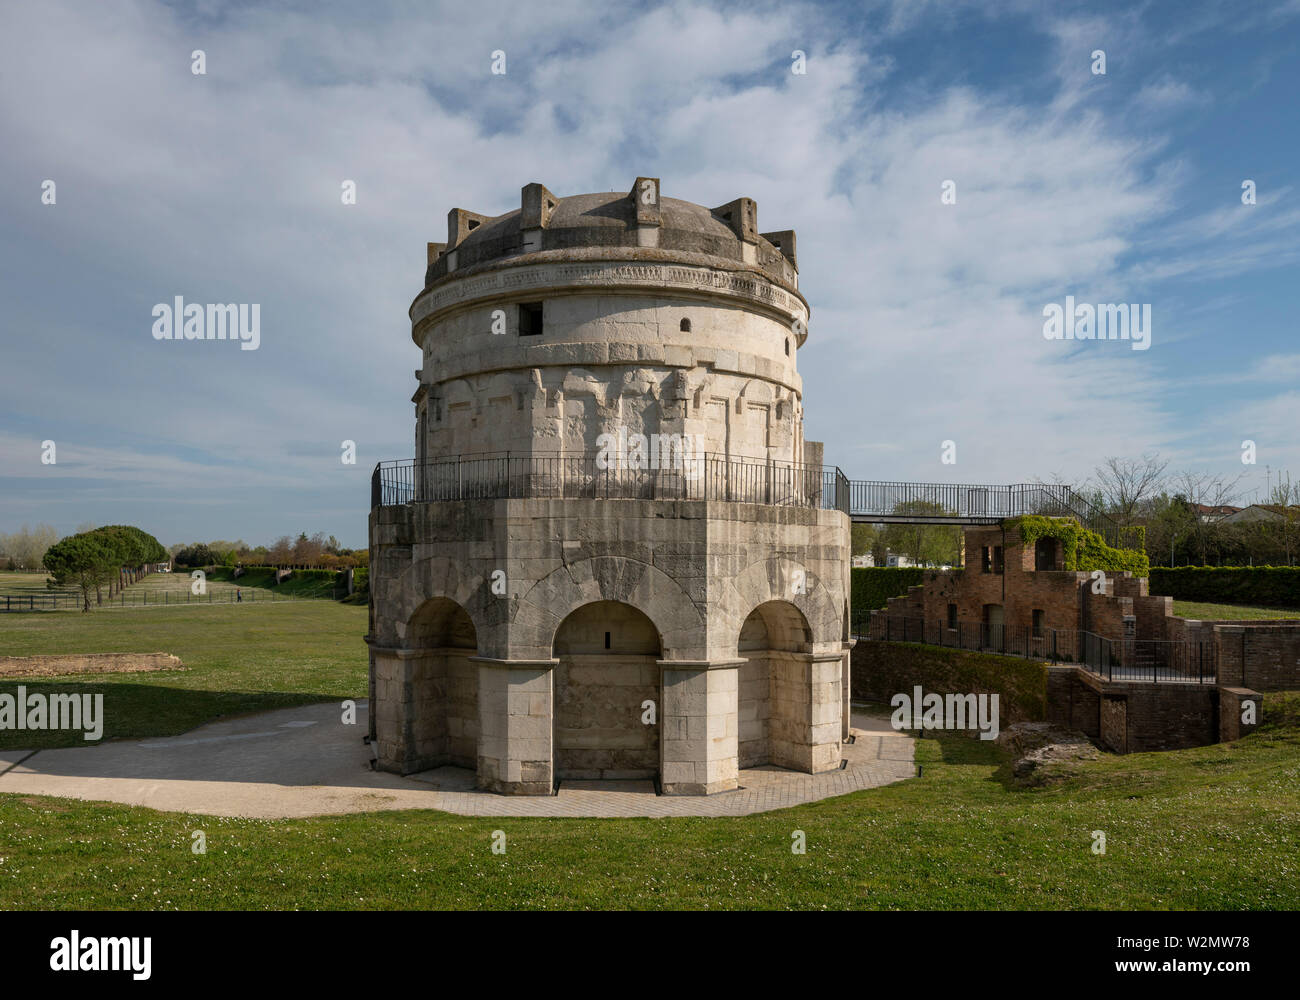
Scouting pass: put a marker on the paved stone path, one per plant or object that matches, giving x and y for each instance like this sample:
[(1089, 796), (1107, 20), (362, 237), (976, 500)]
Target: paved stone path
[(305, 762)]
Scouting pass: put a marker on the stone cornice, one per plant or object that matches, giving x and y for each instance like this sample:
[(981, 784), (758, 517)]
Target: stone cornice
[(563, 274), (701, 664), (497, 662)]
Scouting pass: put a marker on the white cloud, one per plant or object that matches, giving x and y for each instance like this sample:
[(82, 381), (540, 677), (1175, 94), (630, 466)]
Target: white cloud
[(926, 318)]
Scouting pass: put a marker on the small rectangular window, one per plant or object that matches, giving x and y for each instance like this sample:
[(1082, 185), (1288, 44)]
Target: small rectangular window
[(530, 319), (952, 616), (1038, 623), (997, 559)]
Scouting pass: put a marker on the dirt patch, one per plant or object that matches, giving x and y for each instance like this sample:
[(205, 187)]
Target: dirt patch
[(1040, 747), (87, 663), (49, 805)]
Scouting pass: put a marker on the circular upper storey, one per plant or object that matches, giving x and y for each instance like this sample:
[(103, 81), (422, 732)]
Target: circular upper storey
[(664, 244)]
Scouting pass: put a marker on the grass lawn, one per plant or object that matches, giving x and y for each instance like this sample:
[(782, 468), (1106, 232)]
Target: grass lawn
[(22, 584), (248, 657), (167, 588), (1235, 612), (1210, 828)]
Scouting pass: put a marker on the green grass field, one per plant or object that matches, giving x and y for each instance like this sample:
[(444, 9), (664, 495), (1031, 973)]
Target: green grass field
[(1210, 828), (242, 658), (1233, 612), (169, 589)]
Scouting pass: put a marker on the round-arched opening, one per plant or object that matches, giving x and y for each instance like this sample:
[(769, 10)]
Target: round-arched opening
[(771, 641), (608, 669), (445, 712), (685, 326)]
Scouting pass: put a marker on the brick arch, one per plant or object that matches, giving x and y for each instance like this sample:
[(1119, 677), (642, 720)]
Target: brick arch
[(769, 580), (607, 578)]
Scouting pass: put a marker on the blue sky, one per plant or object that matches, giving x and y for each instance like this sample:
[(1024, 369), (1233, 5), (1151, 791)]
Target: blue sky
[(926, 318)]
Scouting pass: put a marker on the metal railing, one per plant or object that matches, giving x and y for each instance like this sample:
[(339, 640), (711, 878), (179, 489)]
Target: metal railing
[(715, 477), (142, 599), (1056, 645), (511, 477), (920, 503), (1155, 660)]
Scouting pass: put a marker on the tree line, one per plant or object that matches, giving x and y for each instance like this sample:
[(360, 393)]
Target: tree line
[(1144, 492), (1135, 492), (114, 557), (314, 551), (25, 549)]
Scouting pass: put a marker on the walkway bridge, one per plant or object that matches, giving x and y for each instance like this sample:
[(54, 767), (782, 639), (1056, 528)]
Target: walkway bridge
[(713, 477), (878, 502)]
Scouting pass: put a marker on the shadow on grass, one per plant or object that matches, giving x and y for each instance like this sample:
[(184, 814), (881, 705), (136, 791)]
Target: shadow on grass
[(133, 711)]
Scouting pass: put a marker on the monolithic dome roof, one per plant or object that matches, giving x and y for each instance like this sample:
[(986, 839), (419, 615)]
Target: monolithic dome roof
[(610, 210), (610, 220)]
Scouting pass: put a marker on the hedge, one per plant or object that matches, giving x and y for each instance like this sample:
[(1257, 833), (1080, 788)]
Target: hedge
[(880, 670), (872, 586), (1261, 586)]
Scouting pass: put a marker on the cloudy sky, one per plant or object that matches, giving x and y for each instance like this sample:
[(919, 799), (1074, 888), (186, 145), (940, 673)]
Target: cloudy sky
[(927, 318)]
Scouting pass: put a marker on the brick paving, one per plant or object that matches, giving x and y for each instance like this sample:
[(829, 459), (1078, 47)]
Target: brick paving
[(304, 762)]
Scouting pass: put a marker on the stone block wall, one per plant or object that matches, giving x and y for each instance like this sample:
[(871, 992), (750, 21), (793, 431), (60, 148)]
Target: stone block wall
[(700, 736), (754, 709), (598, 710), (515, 728), (694, 570)]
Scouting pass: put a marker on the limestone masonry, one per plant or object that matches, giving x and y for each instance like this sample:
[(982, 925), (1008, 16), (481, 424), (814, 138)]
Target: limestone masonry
[(546, 607)]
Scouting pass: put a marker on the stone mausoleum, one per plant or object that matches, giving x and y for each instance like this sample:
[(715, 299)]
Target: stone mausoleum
[(613, 555)]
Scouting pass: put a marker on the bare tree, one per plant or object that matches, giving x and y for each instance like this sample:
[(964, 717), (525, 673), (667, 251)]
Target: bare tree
[(1286, 495), (1207, 489), (281, 551), (1126, 483), (26, 547)]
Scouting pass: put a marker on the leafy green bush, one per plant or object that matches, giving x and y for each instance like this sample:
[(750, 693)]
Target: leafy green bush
[(1084, 550), (1262, 586), (872, 586), (301, 583)]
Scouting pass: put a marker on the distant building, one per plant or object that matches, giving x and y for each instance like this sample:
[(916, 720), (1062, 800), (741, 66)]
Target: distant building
[(1263, 512), (863, 562), (1211, 514)]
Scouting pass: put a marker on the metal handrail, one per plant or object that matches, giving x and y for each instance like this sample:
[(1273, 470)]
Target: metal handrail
[(1125, 659), (505, 476), (500, 475)]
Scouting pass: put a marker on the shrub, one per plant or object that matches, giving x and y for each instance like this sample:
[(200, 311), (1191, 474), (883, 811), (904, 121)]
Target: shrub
[(1265, 586), (872, 586)]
